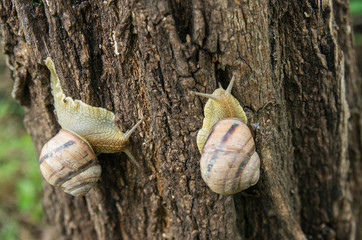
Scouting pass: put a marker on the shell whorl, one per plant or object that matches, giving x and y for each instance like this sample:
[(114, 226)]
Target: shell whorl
[(229, 163), (59, 168)]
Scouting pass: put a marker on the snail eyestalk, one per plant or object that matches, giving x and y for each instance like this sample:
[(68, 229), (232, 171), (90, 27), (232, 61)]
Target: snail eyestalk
[(221, 104)]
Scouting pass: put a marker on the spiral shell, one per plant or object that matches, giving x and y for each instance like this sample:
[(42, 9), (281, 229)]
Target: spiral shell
[(229, 163), (67, 161)]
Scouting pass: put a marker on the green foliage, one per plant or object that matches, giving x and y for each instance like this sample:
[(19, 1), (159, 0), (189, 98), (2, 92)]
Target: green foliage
[(28, 187), (20, 178), (358, 39), (9, 229), (356, 7), (356, 11), (37, 3)]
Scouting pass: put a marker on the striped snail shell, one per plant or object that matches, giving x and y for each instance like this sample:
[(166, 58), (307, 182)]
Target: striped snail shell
[(68, 161), (229, 163)]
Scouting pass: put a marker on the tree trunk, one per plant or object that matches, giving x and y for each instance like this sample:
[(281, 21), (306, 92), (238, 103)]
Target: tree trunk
[(295, 76)]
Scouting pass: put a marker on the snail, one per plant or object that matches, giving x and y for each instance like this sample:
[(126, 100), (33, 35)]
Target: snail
[(229, 162), (69, 159)]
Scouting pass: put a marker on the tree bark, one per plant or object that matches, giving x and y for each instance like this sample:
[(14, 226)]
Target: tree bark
[(296, 78)]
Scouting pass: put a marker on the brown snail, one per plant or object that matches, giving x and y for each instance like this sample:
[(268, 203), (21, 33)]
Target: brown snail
[(229, 163), (69, 162), (69, 159)]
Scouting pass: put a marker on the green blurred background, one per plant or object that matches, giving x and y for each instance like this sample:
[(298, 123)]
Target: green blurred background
[(20, 179)]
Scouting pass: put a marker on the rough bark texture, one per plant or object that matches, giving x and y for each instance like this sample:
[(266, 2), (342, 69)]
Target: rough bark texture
[(296, 78)]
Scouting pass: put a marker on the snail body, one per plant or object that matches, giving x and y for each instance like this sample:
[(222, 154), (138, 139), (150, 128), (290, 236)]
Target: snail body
[(95, 124), (69, 159), (229, 163), (221, 104)]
